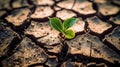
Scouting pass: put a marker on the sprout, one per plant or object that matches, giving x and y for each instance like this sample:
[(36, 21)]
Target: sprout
[(63, 28)]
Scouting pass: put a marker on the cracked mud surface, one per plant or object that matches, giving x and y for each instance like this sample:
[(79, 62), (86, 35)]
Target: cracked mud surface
[(27, 39)]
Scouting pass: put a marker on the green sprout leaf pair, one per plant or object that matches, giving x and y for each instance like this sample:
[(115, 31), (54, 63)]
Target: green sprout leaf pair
[(63, 28)]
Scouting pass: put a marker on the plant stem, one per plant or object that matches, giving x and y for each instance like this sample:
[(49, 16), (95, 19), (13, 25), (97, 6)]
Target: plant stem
[(65, 48)]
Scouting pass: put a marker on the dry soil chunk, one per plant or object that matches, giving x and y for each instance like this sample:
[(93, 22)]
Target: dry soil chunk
[(27, 53), (84, 7), (78, 26), (42, 12), (108, 9), (100, 1), (66, 4), (43, 32), (18, 16), (52, 62), (82, 43), (116, 19), (43, 2), (2, 12), (116, 2), (57, 8), (97, 25), (5, 4), (19, 3), (68, 64), (114, 37), (64, 14), (54, 49), (6, 37), (93, 64)]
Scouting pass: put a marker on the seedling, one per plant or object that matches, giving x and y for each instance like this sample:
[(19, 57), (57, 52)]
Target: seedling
[(63, 28)]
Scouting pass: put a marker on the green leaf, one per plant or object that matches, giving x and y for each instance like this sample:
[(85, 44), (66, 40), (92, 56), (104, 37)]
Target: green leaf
[(56, 24), (69, 34), (69, 23)]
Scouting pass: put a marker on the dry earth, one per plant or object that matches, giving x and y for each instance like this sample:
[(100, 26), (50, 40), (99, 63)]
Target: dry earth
[(27, 39)]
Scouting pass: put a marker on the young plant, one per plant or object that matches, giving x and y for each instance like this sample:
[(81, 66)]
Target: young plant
[(63, 28)]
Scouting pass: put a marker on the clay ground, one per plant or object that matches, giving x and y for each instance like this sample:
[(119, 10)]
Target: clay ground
[(27, 39)]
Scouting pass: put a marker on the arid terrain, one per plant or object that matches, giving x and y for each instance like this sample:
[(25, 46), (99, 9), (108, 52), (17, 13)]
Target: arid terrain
[(28, 40)]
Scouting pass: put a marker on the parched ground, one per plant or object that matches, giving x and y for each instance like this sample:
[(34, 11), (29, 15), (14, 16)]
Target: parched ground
[(27, 39)]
